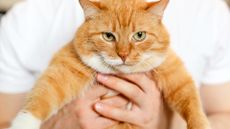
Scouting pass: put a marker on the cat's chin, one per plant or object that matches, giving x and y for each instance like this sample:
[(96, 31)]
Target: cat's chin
[(133, 69), (96, 63), (144, 66)]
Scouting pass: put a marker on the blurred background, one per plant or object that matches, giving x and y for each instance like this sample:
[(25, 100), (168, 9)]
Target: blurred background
[(6, 4), (228, 1)]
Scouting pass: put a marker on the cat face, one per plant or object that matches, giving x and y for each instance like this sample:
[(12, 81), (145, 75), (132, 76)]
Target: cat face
[(122, 36)]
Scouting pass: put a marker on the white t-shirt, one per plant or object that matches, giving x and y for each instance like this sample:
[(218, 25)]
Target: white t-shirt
[(35, 29)]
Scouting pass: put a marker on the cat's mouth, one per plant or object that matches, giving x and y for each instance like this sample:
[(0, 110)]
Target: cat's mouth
[(118, 62), (125, 64), (115, 61), (117, 65), (139, 66)]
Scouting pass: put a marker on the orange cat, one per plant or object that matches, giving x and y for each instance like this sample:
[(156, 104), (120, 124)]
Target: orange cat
[(118, 36)]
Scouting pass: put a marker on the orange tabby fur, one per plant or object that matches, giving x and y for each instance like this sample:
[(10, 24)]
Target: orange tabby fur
[(71, 71)]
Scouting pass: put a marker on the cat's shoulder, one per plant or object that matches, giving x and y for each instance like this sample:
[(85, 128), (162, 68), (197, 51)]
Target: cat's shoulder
[(65, 54)]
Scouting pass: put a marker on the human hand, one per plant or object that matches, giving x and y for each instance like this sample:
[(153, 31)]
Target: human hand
[(80, 114), (141, 91)]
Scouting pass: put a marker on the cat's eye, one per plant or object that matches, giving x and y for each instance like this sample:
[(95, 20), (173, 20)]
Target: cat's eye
[(139, 36), (108, 36)]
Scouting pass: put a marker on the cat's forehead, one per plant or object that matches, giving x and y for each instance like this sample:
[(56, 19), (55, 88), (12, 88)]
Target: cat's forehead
[(123, 12), (117, 5), (124, 16)]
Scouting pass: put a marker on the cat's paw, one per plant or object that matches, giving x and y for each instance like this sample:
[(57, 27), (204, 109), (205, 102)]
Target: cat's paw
[(25, 120)]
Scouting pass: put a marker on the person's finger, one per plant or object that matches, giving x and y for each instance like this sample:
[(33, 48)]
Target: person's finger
[(142, 80), (105, 122), (131, 91), (117, 101), (114, 113), (96, 92)]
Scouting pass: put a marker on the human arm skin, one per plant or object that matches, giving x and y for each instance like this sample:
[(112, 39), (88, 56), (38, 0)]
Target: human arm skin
[(216, 101), (79, 114), (10, 104)]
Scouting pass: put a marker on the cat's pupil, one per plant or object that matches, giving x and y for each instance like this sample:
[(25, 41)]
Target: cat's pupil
[(139, 34), (109, 35)]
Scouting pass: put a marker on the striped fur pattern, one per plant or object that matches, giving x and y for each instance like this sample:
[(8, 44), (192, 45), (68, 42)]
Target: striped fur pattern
[(73, 68)]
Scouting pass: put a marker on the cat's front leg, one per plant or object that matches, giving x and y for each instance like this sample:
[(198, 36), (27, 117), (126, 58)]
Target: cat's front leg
[(187, 103), (183, 98), (46, 100), (180, 92), (25, 120), (65, 79), (42, 101)]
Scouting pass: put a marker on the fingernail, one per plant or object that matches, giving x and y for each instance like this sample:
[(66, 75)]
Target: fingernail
[(98, 106), (101, 77)]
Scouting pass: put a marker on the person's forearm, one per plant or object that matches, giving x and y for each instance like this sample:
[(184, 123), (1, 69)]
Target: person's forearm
[(10, 104), (217, 121), (220, 121)]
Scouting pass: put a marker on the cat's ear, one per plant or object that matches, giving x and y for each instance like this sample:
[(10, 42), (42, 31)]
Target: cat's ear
[(157, 8), (90, 7)]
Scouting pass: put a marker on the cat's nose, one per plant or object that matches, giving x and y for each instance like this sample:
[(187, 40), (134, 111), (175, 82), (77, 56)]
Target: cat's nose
[(123, 55)]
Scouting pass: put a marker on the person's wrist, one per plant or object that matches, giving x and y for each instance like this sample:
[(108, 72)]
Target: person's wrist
[(153, 123)]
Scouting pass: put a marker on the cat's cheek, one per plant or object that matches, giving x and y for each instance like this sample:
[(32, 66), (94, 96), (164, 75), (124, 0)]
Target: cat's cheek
[(25, 120)]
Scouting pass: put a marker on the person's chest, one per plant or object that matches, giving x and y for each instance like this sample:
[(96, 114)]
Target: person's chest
[(191, 33)]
